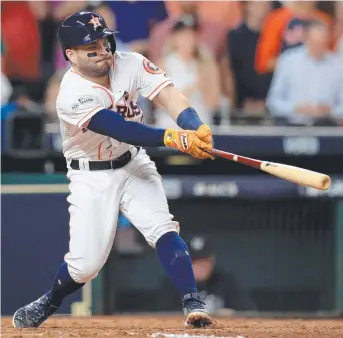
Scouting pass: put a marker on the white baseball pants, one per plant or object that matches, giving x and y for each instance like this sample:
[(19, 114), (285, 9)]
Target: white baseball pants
[(95, 200)]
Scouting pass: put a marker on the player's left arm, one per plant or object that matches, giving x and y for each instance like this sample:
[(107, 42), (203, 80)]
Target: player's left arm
[(182, 113)]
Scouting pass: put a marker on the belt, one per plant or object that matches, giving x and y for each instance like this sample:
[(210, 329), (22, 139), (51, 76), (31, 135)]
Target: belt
[(118, 163)]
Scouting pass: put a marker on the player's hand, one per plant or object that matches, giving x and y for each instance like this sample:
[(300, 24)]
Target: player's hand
[(204, 133), (187, 142)]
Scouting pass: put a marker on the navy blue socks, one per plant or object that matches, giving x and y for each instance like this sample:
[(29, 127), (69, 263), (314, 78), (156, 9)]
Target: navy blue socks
[(63, 286), (174, 256)]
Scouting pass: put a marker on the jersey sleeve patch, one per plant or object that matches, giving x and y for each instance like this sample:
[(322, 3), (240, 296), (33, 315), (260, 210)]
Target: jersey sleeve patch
[(151, 68), (84, 102)]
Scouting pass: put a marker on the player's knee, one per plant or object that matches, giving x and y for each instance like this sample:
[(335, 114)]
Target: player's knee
[(83, 271), (162, 230)]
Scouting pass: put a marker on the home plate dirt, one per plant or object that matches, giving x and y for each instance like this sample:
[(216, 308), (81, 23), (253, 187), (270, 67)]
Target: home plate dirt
[(172, 327)]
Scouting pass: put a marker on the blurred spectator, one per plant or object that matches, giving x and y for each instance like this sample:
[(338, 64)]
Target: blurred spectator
[(307, 86), (42, 10), (283, 29), (193, 70), (21, 39), (226, 13), (251, 88), (211, 33), (221, 291), (6, 87), (135, 20)]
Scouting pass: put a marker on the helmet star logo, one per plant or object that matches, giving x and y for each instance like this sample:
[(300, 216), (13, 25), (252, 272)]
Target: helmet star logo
[(95, 21)]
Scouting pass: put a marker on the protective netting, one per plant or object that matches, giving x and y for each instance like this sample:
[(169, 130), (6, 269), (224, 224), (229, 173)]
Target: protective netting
[(281, 251)]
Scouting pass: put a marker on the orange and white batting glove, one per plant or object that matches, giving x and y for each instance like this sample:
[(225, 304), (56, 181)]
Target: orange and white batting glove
[(188, 142), (204, 133)]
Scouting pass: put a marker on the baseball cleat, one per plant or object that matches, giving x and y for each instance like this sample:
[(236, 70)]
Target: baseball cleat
[(196, 315), (33, 314)]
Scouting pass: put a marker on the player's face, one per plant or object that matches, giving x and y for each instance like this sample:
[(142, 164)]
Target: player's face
[(95, 59)]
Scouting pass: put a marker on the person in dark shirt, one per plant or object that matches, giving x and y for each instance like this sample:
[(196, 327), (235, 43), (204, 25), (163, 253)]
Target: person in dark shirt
[(251, 87), (221, 291)]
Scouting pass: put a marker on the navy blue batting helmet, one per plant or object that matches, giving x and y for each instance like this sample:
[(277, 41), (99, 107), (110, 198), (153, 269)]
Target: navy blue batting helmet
[(83, 28)]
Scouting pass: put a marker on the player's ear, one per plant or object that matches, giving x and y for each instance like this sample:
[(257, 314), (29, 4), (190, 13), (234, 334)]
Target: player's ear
[(70, 54)]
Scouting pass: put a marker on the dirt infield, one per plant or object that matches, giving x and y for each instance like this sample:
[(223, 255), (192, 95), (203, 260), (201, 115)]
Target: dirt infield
[(172, 327)]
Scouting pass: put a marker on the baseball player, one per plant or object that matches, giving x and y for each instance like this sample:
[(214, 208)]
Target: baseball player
[(109, 171)]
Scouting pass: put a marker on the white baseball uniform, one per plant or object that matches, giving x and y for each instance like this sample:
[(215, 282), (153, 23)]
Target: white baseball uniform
[(97, 196)]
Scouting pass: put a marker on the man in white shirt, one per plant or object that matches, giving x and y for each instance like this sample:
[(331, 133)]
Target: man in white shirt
[(308, 81)]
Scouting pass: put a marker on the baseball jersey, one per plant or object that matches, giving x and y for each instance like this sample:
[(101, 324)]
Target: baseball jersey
[(79, 99)]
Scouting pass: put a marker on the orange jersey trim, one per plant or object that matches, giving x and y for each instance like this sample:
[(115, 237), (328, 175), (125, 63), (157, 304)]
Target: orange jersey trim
[(157, 88), (99, 150)]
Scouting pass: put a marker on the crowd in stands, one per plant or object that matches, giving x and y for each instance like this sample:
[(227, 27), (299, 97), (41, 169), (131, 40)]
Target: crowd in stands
[(238, 62)]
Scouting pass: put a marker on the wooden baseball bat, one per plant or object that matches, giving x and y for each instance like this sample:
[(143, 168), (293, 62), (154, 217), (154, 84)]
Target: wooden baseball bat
[(293, 174)]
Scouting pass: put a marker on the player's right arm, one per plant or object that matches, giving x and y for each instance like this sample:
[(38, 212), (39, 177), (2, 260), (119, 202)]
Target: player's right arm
[(112, 124), (91, 109)]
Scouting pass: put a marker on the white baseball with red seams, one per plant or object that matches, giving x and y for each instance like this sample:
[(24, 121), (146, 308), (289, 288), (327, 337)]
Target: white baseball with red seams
[(96, 197)]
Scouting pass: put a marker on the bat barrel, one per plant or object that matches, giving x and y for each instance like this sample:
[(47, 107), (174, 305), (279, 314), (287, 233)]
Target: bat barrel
[(298, 175), (289, 173)]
